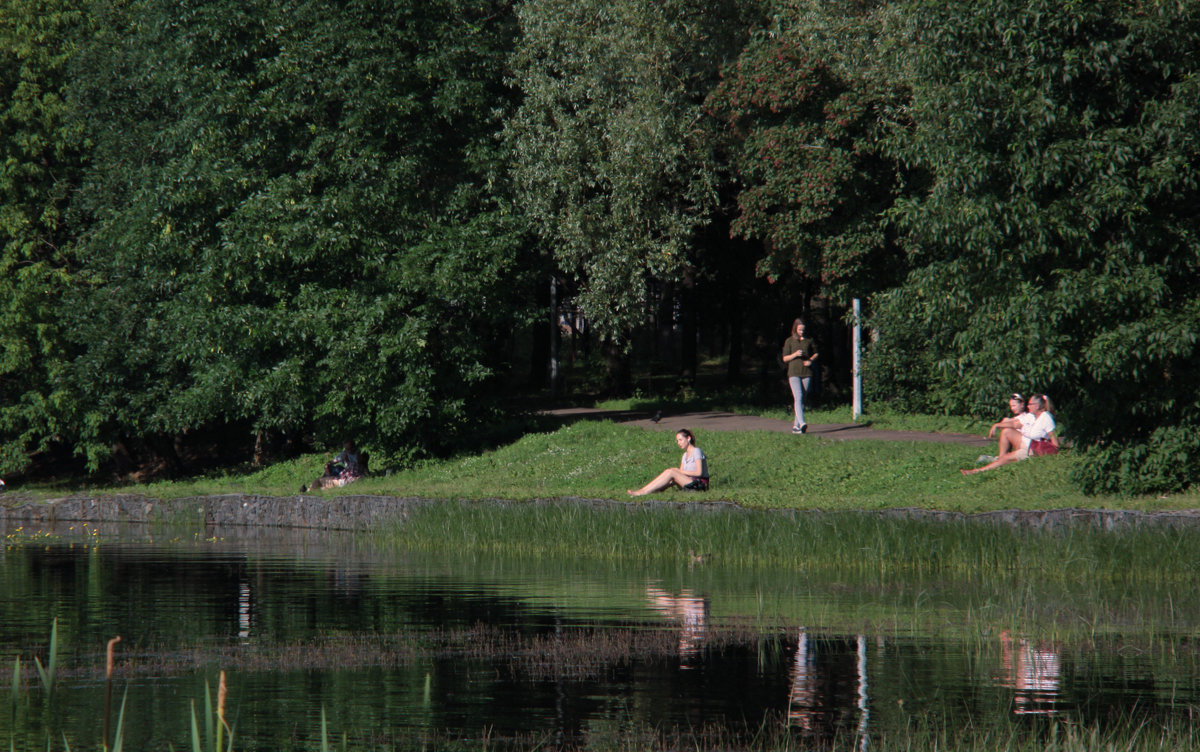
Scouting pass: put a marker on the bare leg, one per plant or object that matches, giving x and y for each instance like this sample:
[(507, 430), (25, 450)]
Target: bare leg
[(325, 481), (670, 476), (1003, 459), (1010, 440)]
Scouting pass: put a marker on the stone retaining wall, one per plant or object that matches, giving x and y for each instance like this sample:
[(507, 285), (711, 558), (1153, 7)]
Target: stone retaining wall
[(328, 513), (361, 512), (1104, 519)]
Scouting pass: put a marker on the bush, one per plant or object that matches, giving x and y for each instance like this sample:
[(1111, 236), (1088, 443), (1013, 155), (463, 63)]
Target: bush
[(1166, 463)]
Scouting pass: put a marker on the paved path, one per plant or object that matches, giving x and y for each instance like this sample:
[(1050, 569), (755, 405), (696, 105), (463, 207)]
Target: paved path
[(722, 421)]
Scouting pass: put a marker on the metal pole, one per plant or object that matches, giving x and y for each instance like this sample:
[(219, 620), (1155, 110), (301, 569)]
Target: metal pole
[(856, 374), (553, 338)]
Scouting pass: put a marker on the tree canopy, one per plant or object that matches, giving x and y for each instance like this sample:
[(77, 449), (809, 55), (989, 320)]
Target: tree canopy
[(302, 221), (613, 154), (291, 220), (805, 148), (41, 158), (1055, 247)]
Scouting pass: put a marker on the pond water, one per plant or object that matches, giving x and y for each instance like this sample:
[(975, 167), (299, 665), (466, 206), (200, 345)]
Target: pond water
[(399, 649)]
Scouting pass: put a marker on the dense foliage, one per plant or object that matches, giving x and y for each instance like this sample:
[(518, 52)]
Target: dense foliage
[(304, 220), (613, 155), (290, 221), (1056, 247), (40, 163), (803, 126)]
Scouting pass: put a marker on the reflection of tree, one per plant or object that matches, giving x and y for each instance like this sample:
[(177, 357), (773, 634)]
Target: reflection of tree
[(690, 611), (1033, 671)]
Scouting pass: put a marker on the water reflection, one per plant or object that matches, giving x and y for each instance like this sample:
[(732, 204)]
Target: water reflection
[(864, 713), (244, 610), (1033, 670), (817, 690), (690, 612), (398, 644)]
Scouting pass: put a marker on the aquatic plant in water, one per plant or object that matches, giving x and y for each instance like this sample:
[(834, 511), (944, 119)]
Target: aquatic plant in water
[(215, 725)]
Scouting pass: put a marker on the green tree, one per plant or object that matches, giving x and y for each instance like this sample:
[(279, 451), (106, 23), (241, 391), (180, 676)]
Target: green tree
[(803, 104), (296, 221), (41, 155), (1054, 246), (613, 156)]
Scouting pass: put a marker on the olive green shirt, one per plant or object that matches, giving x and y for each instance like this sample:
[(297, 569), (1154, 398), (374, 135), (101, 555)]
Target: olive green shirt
[(796, 367)]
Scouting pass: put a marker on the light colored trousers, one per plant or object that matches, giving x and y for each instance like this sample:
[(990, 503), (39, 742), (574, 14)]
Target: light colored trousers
[(799, 389)]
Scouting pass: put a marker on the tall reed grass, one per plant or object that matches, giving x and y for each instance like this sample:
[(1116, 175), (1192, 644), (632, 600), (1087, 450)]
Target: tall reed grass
[(48, 672), (887, 573), (215, 724), (849, 542)]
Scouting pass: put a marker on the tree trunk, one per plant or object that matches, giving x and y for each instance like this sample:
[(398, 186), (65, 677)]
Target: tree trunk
[(687, 310), (733, 370), (617, 375)]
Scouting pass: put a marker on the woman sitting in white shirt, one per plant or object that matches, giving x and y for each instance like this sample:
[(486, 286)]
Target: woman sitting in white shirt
[(691, 475), (1015, 442)]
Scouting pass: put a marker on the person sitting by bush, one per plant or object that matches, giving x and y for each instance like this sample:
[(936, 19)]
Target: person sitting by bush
[(347, 467), (1032, 437)]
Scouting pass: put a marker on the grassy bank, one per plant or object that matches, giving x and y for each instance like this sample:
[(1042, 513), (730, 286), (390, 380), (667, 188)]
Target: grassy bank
[(757, 470)]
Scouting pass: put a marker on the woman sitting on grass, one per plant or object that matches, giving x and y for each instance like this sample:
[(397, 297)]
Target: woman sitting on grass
[(1015, 442), (1020, 418), (691, 475)]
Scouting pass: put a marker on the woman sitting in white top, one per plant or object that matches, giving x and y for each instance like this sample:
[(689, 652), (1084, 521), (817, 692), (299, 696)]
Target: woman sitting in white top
[(691, 475), (1015, 439), (1020, 417)]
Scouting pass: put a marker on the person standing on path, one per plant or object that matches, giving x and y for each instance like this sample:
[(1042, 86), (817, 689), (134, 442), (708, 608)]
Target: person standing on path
[(799, 352)]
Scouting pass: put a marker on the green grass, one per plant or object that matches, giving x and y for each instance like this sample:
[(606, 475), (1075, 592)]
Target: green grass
[(757, 470)]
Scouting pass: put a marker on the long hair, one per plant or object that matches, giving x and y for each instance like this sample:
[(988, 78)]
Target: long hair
[(798, 322), (691, 438), (1045, 402)]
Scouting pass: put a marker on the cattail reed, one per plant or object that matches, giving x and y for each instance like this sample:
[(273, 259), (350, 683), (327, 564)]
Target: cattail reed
[(108, 672)]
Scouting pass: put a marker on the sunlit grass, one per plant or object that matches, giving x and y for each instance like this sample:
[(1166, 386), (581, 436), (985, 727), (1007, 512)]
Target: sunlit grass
[(600, 460)]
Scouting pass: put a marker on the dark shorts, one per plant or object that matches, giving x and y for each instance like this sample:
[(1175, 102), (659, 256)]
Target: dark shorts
[(699, 484)]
